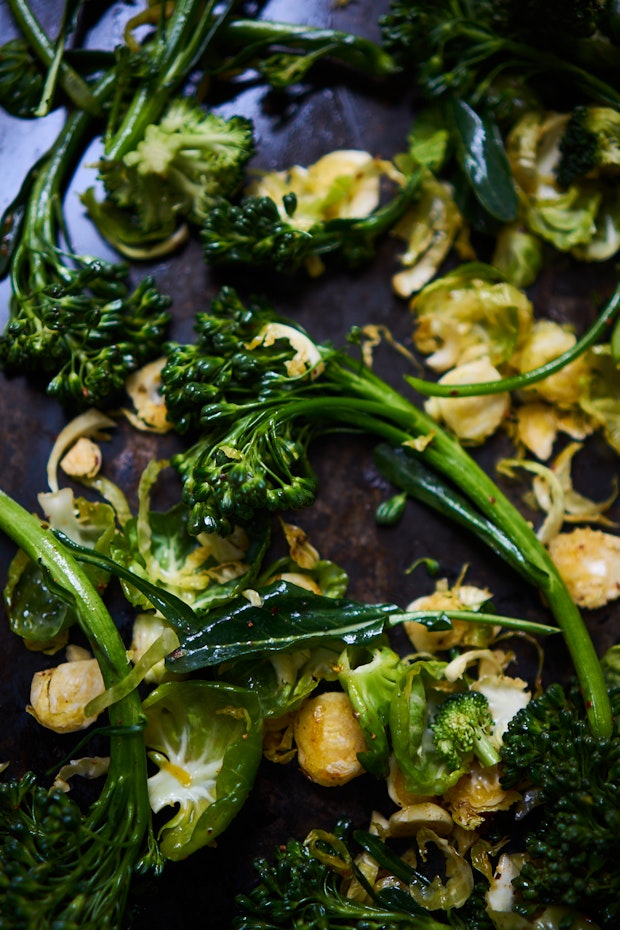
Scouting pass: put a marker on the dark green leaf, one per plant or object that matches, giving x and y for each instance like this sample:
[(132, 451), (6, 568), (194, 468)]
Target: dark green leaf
[(287, 619), (483, 159)]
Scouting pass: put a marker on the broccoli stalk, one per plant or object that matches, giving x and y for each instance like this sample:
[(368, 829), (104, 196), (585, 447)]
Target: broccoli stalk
[(259, 390), (462, 728), (60, 867)]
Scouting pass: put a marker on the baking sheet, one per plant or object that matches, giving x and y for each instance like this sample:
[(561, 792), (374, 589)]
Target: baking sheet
[(339, 112)]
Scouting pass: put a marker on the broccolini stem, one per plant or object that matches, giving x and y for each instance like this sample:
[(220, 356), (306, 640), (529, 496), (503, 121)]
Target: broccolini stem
[(517, 382), (74, 86), (188, 32)]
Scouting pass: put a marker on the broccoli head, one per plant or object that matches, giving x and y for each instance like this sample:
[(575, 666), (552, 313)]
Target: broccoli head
[(186, 161), (590, 144), (462, 729)]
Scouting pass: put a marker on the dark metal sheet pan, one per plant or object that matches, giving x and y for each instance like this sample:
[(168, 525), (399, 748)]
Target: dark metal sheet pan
[(297, 128)]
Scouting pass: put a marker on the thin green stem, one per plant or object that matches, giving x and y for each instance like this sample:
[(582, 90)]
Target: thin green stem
[(74, 86)]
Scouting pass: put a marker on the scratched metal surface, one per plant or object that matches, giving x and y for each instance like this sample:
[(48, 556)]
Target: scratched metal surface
[(298, 128)]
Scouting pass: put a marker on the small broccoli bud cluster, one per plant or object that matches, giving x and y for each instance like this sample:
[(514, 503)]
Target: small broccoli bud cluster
[(257, 233), (84, 330)]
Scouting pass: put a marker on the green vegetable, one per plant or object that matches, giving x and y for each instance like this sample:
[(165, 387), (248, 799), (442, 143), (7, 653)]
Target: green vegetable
[(283, 680), (460, 47), (206, 739), (84, 862), (462, 727), (157, 547), (284, 53), (425, 769), (72, 318), (572, 836), (590, 144), (370, 685), (185, 161), (262, 233), (306, 886), (37, 610), (257, 418), (284, 618), (483, 159), (51, 56)]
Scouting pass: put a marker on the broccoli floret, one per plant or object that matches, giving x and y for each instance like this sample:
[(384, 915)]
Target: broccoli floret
[(591, 143), (573, 835), (257, 232), (462, 729), (183, 163)]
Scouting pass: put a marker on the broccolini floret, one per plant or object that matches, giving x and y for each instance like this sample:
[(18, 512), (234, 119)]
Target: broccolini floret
[(262, 233), (306, 887), (73, 319), (572, 836), (462, 728)]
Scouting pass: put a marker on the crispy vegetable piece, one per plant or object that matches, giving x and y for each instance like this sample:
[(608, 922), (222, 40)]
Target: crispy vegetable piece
[(329, 739), (59, 695), (472, 419), (588, 560), (469, 313), (206, 739)]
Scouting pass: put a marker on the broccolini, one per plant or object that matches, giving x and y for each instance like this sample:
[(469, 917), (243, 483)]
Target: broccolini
[(259, 389), (61, 867)]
